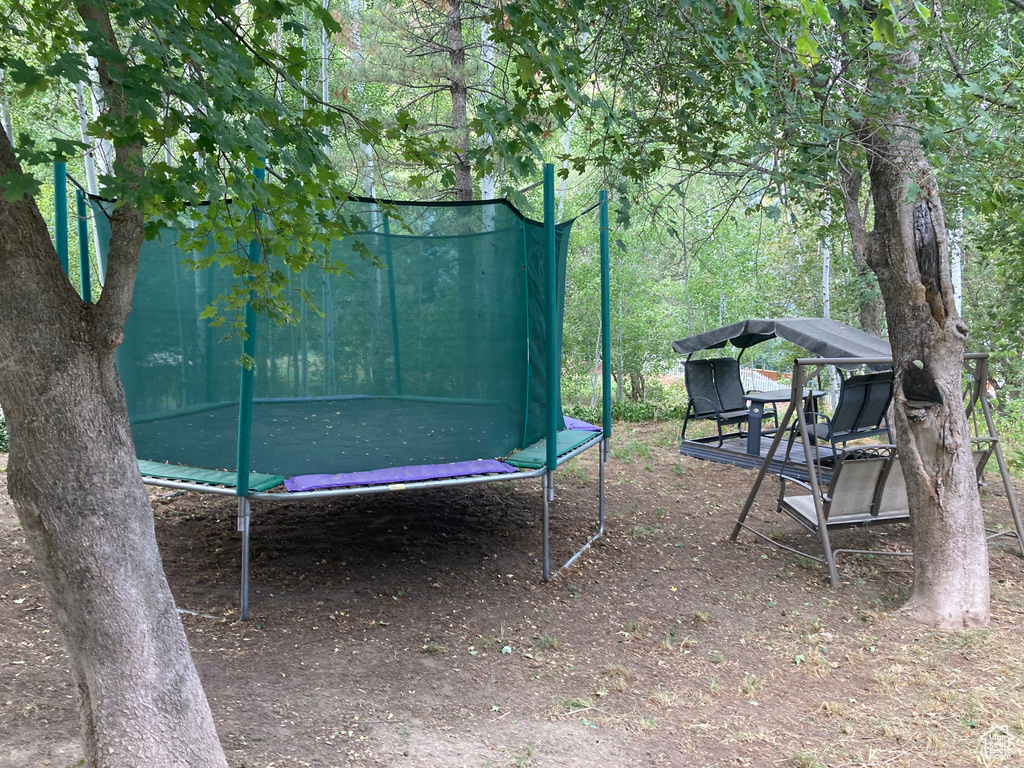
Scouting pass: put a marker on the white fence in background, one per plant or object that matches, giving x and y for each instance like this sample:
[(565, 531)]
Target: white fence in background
[(753, 379)]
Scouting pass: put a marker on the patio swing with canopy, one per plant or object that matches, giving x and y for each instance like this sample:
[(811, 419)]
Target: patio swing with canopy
[(864, 400), (853, 486)]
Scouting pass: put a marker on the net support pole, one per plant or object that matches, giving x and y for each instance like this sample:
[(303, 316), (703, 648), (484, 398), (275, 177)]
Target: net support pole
[(60, 212), (83, 245), (394, 305), (602, 459), (606, 346), (551, 318), (551, 363), (547, 482), (245, 389), (606, 322), (243, 526)]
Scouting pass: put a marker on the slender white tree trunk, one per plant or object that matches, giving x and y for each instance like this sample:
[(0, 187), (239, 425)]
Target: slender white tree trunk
[(565, 164), (567, 148), (5, 115), (487, 180), (104, 152), (278, 84), (683, 228), (956, 257), (305, 51), (325, 41), (826, 301)]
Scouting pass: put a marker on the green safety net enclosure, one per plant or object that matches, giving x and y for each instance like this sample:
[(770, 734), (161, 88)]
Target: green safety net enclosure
[(436, 356)]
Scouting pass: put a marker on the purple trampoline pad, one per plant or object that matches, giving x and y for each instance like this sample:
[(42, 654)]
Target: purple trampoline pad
[(399, 475), (580, 426)]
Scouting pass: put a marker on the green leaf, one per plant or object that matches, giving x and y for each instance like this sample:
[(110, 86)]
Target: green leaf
[(883, 29), (30, 78), (65, 149), (807, 49), (18, 185)]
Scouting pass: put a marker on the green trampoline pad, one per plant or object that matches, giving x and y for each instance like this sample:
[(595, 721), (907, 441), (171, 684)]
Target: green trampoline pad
[(257, 480), (536, 455)]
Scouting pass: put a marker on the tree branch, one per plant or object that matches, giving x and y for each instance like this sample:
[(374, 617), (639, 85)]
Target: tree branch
[(126, 222), (273, 67), (954, 61)]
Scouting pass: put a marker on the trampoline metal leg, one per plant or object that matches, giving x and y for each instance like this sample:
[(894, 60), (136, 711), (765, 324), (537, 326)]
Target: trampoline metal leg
[(549, 495), (548, 489), (243, 526), (602, 458)]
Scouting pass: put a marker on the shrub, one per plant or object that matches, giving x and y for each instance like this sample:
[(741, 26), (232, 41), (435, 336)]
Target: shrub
[(628, 410)]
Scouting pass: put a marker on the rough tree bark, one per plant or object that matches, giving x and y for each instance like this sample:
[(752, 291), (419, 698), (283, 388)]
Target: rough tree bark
[(468, 262), (459, 91), (869, 305), (908, 252), (79, 496)]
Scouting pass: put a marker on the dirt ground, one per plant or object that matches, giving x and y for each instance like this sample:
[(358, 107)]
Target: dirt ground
[(413, 629)]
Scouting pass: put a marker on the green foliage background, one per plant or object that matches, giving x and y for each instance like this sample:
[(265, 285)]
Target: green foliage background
[(710, 124)]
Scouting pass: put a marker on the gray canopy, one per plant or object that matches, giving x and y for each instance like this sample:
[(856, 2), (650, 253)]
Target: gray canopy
[(819, 336)]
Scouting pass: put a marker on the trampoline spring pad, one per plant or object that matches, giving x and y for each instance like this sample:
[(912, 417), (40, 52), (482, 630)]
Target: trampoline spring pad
[(536, 455), (398, 475), (578, 425), (257, 480)]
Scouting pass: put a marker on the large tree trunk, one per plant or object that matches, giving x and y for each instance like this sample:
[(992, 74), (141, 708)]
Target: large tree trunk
[(908, 252), (81, 502)]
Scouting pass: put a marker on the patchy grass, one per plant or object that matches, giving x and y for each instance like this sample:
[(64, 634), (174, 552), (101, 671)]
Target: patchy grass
[(663, 639), (568, 705)]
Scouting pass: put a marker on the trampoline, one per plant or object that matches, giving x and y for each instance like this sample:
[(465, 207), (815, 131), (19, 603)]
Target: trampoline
[(436, 363), (304, 436)]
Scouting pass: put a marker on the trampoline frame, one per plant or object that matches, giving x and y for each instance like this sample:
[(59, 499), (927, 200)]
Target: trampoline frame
[(552, 461), (244, 513)]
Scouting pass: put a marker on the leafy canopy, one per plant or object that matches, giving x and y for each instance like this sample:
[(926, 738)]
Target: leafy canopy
[(201, 93), (772, 89)]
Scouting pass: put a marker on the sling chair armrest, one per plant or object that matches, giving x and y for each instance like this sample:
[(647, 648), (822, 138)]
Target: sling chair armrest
[(714, 406), (733, 414), (783, 480), (787, 479), (818, 420)]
